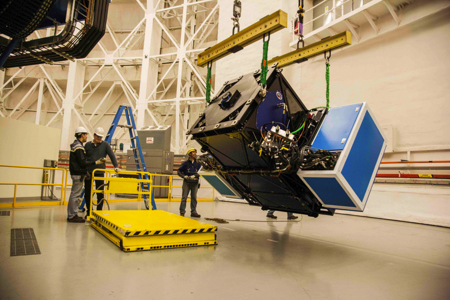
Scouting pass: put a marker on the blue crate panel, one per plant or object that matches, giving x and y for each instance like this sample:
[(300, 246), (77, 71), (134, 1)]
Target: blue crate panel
[(337, 125), (363, 157), (329, 191)]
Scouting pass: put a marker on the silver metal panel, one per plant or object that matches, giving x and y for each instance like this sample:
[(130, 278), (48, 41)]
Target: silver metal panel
[(155, 137), (156, 161)]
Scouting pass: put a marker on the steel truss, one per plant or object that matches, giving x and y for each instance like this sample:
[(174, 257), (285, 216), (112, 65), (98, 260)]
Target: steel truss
[(151, 67)]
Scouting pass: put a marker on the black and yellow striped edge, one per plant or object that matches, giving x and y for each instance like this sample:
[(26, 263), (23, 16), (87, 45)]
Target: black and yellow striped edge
[(112, 226), (173, 246), (119, 242)]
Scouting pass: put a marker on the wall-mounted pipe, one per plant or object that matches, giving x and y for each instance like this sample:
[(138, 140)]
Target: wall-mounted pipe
[(429, 176), (416, 162)]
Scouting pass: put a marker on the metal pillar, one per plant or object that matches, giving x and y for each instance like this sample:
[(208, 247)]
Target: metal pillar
[(149, 71), (75, 83), (39, 104), (2, 82), (181, 54)]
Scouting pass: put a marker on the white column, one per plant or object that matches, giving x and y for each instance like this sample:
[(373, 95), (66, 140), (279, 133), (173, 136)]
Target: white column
[(39, 104), (149, 72), (181, 55), (75, 82), (2, 82)]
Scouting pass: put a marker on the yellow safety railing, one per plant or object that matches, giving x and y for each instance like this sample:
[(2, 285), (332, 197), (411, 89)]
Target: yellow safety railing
[(120, 185), (121, 188), (170, 186), (39, 203)]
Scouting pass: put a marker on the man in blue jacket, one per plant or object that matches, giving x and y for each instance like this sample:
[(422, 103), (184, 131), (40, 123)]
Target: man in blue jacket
[(189, 172)]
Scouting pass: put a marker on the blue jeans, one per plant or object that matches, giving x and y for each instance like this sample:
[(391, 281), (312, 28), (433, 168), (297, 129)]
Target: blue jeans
[(271, 212), (77, 187)]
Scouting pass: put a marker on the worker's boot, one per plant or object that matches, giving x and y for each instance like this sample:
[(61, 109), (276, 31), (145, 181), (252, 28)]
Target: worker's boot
[(76, 219), (271, 216), (292, 217), (182, 214), (195, 215)]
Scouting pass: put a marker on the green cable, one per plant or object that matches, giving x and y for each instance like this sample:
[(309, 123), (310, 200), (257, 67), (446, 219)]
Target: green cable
[(327, 77), (299, 128), (208, 85), (264, 67)]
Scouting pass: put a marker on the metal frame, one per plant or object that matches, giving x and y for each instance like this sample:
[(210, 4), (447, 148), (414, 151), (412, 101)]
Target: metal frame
[(312, 35), (151, 106)]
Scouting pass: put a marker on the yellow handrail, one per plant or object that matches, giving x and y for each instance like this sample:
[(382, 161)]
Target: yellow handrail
[(108, 178), (30, 167), (14, 204), (64, 184), (170, 186)]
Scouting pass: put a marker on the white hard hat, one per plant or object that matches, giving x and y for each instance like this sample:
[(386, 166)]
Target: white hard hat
[(99, 132), (81, 129)]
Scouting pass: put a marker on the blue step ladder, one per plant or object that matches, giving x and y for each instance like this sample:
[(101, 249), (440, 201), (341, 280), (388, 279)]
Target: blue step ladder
[(136, 147)]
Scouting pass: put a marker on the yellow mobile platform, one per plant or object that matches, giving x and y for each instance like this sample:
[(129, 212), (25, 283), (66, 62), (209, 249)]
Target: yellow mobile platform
[(136, 230)]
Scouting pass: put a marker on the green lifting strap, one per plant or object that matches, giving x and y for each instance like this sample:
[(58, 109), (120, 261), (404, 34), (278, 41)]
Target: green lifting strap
[(327, 77), (264, 67), (208, 84)]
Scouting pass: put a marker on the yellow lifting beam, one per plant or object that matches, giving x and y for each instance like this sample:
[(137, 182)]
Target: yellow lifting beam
[(245, 37), (318, 48)]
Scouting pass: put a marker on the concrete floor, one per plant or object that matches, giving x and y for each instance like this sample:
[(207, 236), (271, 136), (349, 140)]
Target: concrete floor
[(340, 257)]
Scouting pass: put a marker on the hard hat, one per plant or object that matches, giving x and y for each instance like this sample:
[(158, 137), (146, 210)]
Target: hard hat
[(81, 129), (99, 132), (191, 150)]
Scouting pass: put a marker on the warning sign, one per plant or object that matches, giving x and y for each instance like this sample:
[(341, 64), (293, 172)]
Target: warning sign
[(150, 140), (425, 176)]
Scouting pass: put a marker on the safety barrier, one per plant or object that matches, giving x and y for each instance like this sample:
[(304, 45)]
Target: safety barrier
[(40, 203), (120, 185), (64, 185), (170, 186)]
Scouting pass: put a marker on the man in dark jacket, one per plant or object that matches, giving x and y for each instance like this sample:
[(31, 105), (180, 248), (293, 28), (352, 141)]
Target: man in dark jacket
[(95, 150), (189, 172), (78, 169)]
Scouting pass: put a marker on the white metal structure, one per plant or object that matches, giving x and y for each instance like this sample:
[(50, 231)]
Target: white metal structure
[(146, 59), (329, 17)]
